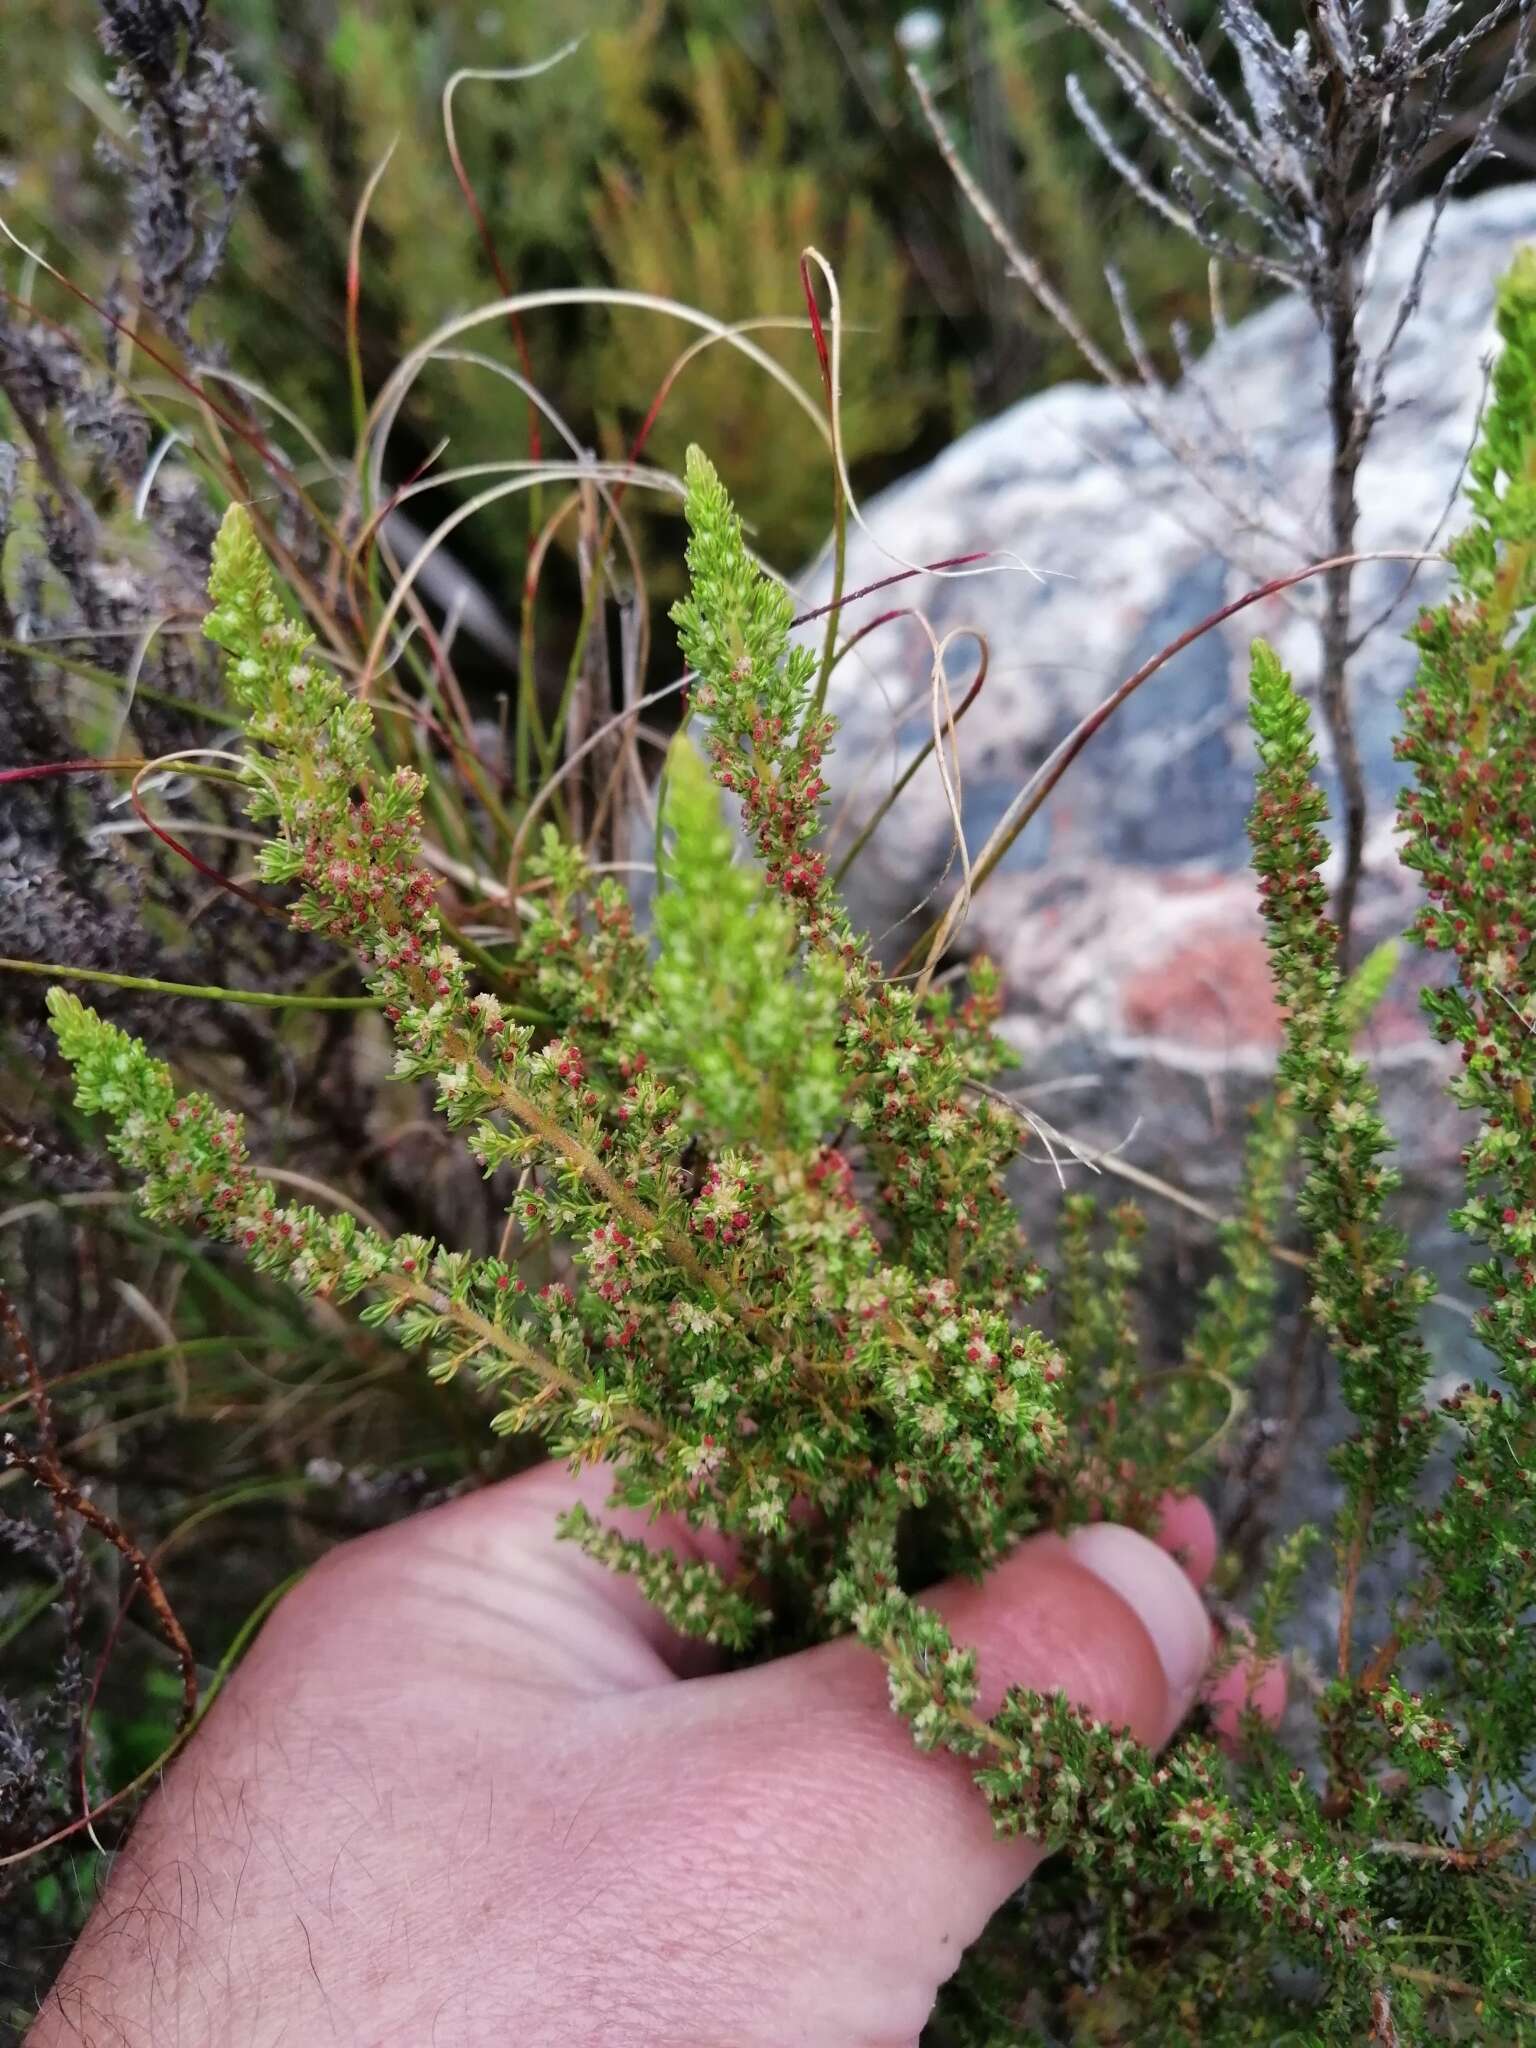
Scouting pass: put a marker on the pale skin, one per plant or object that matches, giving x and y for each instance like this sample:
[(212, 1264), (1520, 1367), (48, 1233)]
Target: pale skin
[(468, 1791)]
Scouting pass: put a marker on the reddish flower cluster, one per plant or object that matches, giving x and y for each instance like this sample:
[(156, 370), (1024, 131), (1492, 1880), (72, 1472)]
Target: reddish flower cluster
[(778, 778), (723, 1210), (365, 877)]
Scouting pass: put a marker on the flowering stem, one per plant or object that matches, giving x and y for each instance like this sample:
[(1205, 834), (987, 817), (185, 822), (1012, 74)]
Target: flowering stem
[(509, 1345)]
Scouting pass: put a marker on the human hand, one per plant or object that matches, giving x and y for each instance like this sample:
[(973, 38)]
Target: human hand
[(469, 1789)]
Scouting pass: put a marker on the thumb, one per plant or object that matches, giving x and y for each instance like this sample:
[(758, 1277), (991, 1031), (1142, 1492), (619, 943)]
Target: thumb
[(888, 1855)]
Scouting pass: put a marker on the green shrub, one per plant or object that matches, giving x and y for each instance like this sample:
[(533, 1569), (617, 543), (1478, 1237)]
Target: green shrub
[(795, 1275)]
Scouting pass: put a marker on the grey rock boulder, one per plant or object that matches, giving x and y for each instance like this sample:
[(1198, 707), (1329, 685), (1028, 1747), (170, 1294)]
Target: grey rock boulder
[(1124, 919)]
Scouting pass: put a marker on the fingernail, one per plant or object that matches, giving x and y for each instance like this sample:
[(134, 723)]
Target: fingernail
[(1160, 1596)]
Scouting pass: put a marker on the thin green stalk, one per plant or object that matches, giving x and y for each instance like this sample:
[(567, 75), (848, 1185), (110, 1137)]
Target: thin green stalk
[(260, 999), (428, 670), (87, 672), (834, 609), (155, 1354), (530, 724), (27, 1613), (549, 751)]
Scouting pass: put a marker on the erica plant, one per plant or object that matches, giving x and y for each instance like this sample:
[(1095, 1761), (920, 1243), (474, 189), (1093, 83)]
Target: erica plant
[(762, 1262)]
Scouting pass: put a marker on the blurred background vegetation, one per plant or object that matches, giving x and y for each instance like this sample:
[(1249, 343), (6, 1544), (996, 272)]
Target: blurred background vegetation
[(691, 151), (688, 151)]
